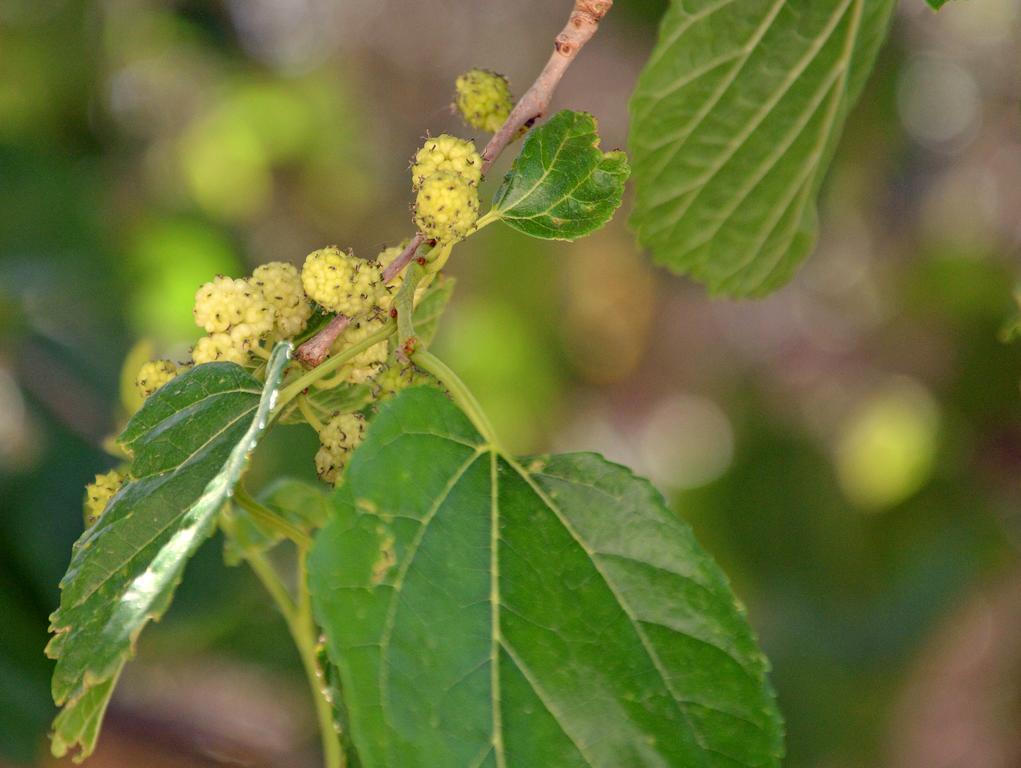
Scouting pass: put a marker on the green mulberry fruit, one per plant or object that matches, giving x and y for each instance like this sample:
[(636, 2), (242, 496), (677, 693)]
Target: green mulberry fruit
[(153, 375), (447, 207), (484, 99), (341, 282), (99, 493), (280, 285), (337, 441), (446, 153)]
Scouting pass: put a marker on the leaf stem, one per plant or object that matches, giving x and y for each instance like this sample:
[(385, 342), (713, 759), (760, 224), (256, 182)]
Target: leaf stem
[(305, 634), (297, 615), (269, 517), (307, 412), (461, 394), (271, 581)]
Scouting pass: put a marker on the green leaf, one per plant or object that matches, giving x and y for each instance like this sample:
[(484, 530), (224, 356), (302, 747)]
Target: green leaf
[(562, 186), (343, 398), (301, 504), (431, 306), (191, 443), (733, 124), (484, 612), (937, 4)]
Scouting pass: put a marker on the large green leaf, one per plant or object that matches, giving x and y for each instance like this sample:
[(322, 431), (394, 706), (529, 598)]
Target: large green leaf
[(562, 186), (190, 441), (484, 612), (734, 122)]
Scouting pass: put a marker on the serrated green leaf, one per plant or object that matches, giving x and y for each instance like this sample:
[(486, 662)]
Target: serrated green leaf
[(562, 186), (733, 125), (484, 612), (191, 443)]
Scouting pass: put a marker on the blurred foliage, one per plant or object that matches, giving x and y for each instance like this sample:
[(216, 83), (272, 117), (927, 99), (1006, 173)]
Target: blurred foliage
[(849, 449)]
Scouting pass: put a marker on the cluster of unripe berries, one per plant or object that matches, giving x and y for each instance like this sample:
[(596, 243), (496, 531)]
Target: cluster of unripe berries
[(446, 171), (240, 315), (446, 174)]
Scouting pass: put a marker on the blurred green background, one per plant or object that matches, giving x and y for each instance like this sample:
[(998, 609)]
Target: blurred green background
[(849, 448)]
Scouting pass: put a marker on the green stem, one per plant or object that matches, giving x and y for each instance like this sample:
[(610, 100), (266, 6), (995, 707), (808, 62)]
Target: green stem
[(298, 617), (484, 221), (461, 394), (270, 518), (298, 386), (305, 634), (310, 417)]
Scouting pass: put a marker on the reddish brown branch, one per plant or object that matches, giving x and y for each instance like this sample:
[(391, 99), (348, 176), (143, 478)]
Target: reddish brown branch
[(317, 349), (404, 258), (581, 26)]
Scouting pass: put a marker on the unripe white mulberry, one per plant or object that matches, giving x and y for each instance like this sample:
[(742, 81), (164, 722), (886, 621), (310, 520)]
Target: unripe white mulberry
[(446, 153), (341, 282), (235, 315), (99, 493), (280, 285), (337, 440), (367, 364), (153, 375), (393, 378), (447, 207), (218, 347), (219, 304), (484, 99)]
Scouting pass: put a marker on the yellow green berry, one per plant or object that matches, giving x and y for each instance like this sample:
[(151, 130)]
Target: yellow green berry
[(218, 347), (341, 282), (280, 285), (153, 375), (447, 207), (392, 379), (235, 315), (446, 153), (99, 493), (337, 440), (222, 303), (484, 99), (367, 364)]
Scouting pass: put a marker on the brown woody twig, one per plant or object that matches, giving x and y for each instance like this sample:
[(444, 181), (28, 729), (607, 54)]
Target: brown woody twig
[(317, 349)]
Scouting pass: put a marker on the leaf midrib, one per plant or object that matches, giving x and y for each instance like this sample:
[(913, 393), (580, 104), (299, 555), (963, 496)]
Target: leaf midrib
[(498, 641), (160, 531), (545, 168)]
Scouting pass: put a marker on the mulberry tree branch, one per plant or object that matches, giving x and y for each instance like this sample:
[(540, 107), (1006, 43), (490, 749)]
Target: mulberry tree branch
[(581, 26), (317, 349)]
